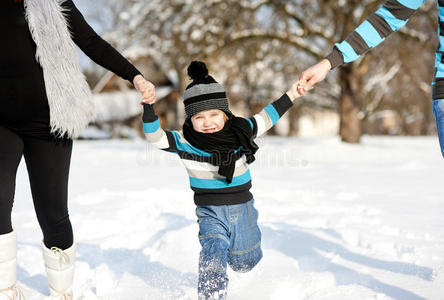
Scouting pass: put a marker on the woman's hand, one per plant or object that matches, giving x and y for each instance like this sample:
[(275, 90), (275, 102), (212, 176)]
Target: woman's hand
[(314, 74), (146, 88)]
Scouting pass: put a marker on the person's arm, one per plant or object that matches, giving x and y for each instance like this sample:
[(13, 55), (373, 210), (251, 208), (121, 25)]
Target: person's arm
[(162, 139), (390, 17), (95, 47), (268, 117)]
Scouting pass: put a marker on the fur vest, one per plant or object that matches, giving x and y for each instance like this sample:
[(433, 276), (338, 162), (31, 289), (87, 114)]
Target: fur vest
[(68, 93)]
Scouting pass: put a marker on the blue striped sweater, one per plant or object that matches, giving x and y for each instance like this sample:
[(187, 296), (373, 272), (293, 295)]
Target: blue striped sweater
[(209, 187), (390, 17)]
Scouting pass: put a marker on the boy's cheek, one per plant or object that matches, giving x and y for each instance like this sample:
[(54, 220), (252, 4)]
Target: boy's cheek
[(197, 127)]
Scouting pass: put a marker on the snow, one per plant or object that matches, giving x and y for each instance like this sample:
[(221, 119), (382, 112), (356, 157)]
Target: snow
[(339, 221)]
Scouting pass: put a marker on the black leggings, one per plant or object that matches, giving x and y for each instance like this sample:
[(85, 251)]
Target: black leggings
[(47, 161)]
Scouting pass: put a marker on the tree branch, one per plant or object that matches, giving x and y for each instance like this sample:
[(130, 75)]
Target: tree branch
[(261, 35)]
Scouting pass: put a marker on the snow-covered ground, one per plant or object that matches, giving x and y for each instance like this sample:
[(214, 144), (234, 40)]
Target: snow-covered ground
[(338, 221)]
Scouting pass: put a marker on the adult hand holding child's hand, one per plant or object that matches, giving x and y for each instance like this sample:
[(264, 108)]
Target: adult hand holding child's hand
[(146, 88), (297, 90), (315, 74)]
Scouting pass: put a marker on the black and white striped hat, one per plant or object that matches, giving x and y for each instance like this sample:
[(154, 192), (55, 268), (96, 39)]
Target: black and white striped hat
[(204, 92)]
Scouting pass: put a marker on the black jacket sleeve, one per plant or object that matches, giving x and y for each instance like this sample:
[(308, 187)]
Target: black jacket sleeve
[(95, 47)]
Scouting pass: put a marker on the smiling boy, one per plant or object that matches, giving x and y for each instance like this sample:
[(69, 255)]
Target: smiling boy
[(216, 148)]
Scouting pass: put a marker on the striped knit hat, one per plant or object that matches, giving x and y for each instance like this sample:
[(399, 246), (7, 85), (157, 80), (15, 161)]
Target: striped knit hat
[(204, 92)]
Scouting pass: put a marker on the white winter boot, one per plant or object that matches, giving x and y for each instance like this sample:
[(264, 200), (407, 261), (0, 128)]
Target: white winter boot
[(59, 265), (8, 268)]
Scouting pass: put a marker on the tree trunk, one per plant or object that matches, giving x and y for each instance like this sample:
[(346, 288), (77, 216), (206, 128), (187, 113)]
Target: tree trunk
[(350, 128)]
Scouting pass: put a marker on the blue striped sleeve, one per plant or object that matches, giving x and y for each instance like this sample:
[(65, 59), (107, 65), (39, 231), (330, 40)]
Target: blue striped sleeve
[(347, 52), (269, 116), (412, 4), (394, 23), (272, 113), (151, 126), (158, 137), (390, 17), (369, 34)]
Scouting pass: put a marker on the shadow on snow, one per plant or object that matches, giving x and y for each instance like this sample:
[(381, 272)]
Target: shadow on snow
[(305, 248)]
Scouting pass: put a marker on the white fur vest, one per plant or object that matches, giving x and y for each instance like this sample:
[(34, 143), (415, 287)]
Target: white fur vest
[(68, 93)]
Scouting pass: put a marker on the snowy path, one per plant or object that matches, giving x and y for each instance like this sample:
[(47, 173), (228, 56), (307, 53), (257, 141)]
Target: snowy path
[(338, 221)]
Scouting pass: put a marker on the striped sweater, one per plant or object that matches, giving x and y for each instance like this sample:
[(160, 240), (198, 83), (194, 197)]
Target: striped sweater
[(209, 187), (390, 17)]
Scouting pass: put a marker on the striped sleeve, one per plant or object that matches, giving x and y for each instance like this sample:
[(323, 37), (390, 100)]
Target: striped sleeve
[(390, 17), (158, 137), (269, 116)]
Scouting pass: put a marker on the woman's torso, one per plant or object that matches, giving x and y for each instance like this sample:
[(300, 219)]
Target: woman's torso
[(23, 98)]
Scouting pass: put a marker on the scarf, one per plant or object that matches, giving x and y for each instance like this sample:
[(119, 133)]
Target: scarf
[(68, 93), (237, 133)]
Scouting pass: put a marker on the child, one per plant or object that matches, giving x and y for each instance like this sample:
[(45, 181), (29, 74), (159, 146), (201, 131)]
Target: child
[(216, 147)]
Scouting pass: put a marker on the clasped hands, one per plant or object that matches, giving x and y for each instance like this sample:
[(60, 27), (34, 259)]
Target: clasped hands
[(146, 89), (306, 81)]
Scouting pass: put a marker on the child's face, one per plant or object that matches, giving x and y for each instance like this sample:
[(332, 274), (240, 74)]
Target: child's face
[(209, 121)]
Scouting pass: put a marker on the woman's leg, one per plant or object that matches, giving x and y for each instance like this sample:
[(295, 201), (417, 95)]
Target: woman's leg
[(48, 164), (213, 236), (11, 150), (245, 249), (438, 111)]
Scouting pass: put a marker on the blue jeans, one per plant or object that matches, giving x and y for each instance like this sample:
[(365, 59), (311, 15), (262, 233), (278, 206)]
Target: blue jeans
[(438, 112), (228, 234)]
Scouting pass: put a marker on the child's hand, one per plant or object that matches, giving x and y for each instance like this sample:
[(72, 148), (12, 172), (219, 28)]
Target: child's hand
[(297, 90), (146, 88)]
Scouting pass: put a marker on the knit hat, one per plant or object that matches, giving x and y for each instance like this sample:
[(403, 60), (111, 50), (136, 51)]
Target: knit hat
[(204, 92)]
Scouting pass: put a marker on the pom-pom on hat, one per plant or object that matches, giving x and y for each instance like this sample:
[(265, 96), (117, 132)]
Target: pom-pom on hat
[(204, 92)]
